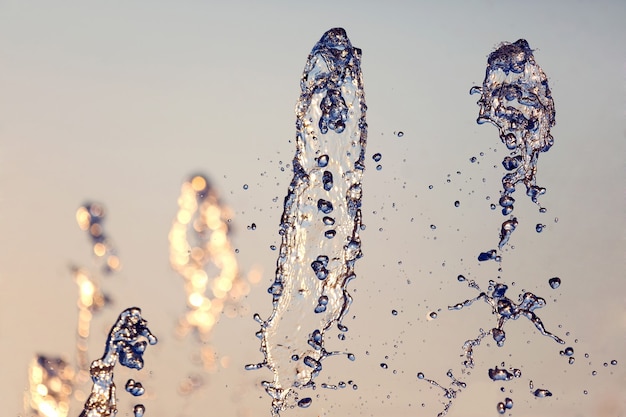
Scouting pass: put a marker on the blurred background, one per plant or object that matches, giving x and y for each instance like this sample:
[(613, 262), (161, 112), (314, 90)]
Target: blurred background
[(120, 103)]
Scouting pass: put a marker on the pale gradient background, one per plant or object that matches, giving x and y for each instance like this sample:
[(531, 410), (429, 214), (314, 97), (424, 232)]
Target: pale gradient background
[(119, 102)]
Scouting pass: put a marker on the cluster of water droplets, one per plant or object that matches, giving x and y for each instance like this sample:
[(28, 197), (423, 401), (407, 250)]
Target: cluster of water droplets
[(126, 342), (320, 224), (515, 97)]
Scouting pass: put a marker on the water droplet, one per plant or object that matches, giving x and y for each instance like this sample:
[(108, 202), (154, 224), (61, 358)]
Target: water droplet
[(139, 410), (379, 167), (273, 247), (432, 315), (472, 159), (501, 408), (394, 312), (460, 278), (420, 375), (457, 203), (433, 227), (569, 351), (554, 282), (377, 157), (384, 365), (400, 134), (508, 403), (539, 227), (571, 360), (613, 362), (542, 393), (351, 357), (245, 186)]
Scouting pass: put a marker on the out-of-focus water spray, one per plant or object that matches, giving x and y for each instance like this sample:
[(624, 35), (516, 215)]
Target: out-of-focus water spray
[(320, 222), (515, 97), (51, 384), (201, 252), (125, 343), (90, 301), (90, 218)]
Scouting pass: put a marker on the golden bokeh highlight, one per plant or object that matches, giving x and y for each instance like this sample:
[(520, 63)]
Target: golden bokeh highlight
[(50, 387), (201, 252)]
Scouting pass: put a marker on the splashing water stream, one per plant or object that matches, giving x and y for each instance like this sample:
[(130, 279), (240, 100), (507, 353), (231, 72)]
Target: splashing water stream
[(320, 222), (515, 97), (123, 343)]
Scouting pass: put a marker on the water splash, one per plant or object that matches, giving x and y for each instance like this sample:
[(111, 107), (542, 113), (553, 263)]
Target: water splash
[(124, 342), (515, 97), (505, 309), (314, 267), (51, 384), (201, 253), (90, 218)]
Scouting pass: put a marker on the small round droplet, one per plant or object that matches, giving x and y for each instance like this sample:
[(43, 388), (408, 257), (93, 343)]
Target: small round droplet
[(473, 159), (394, 312), (508, 403), (569, 351), (384, 365), (433, 227), (400, 134), (377, 157), (457, 203), (351, 356), (432, 315), (613, 362), (245, 186), (138, 410), (420, 375), (379, 167), (501, 408), (554, 282), (273, 247), (539, 227), (460, 278), (571, 360)]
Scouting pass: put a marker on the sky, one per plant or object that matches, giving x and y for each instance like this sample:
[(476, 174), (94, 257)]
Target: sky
[(121, 102)]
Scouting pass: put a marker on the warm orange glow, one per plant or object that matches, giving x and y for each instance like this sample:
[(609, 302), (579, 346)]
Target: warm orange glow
[(99, 249), (199, 243), (50, 381), (198, 183)]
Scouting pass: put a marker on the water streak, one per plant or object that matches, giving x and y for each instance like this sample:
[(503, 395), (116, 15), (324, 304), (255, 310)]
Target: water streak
[(320, 222), (515, 97), (126, 343)]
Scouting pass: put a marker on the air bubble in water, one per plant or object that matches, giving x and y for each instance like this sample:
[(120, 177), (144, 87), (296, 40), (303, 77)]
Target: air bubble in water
[(400, 134), (377, 157)]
